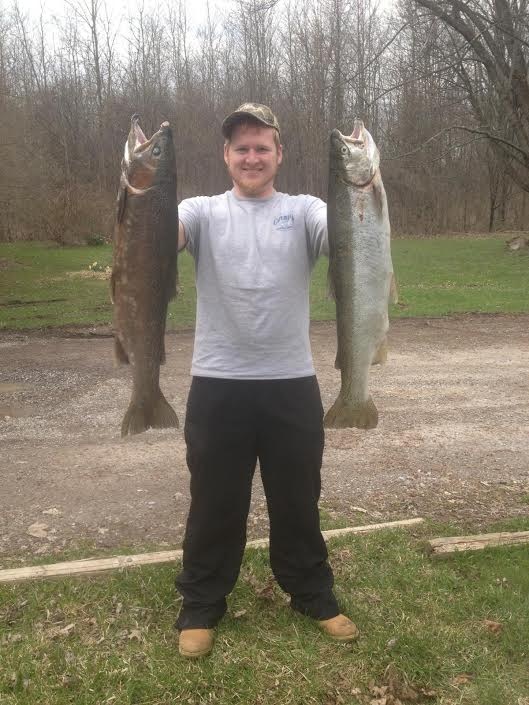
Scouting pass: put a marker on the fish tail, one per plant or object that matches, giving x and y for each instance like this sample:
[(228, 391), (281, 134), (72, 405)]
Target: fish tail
[(135, 420), (348, 415), (140, 416), (163, 414)]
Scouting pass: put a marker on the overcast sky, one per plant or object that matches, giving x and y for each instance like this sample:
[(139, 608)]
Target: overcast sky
[(196, 9)]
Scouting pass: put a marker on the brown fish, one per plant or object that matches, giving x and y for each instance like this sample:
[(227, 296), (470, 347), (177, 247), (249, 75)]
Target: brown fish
[(144, 271)]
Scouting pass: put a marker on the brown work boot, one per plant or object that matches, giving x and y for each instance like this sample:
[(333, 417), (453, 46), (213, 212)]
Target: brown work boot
[(339, 628), (195, 642)]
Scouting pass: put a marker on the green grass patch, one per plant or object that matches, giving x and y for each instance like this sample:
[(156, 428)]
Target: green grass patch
[(423, 627), (43, 286)]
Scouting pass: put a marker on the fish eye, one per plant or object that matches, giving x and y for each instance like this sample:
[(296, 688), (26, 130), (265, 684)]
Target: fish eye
[(344, 150), (156, 151)]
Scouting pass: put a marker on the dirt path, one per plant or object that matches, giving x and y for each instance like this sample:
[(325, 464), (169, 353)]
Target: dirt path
[(452, 443)]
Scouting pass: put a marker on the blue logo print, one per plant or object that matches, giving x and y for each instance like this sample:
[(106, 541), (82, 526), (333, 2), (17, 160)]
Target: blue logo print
[(284, 222)]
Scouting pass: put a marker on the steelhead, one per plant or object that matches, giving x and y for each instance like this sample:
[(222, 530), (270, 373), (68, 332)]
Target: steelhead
[(144, 271), (360, 271)]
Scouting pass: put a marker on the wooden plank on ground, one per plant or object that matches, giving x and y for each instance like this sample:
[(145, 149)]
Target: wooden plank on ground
[(453, 544), (92, 566)]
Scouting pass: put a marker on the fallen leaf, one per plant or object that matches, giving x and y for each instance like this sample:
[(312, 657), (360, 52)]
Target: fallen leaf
[(462, 679), (134, 634), (53, 512), (266, 591), (56, 632), (379, 691), (10, 638), (38, 530), (428, 693), (239, 613), (493, 627)]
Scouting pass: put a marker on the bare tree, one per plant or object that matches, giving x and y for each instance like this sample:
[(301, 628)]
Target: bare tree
[(495, 33)]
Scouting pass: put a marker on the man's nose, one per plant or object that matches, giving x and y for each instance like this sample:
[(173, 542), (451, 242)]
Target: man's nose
[(252, 156)]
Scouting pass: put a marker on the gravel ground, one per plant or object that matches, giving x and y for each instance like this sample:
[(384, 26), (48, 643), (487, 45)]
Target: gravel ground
[(452, 442)]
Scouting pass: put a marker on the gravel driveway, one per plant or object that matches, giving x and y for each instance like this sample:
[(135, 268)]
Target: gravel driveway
[(452, 442)]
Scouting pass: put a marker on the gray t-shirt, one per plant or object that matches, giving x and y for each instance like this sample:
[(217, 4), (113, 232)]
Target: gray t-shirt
[(253, 259)]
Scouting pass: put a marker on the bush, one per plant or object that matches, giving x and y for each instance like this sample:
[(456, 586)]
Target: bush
[(96, 240)]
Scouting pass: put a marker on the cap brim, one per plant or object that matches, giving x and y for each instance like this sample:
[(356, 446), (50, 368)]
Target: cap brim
[(238, 116)]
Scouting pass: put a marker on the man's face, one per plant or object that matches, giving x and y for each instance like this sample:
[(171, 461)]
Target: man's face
[(253, 159)]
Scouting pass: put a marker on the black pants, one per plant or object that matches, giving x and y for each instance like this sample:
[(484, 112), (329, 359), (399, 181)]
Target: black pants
[(229, 425)]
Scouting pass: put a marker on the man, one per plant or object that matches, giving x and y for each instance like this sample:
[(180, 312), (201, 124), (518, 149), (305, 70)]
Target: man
[(254, 394)]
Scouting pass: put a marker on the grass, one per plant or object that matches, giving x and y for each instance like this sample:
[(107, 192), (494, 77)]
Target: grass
[(43, 286), (424, 635)]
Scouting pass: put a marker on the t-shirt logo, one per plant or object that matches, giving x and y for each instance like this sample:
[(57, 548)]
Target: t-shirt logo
[(284, 222)]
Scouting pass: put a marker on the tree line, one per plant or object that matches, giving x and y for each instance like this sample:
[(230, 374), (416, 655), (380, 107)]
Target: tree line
[(442, 85)]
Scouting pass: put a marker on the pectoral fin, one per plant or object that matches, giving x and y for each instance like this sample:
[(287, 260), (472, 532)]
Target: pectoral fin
[(393, 291), (381, 354), (121, 200)]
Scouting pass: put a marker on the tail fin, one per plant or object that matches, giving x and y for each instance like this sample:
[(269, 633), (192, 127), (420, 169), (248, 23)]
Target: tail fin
[(163, 414), (143, 415), (344, 415)]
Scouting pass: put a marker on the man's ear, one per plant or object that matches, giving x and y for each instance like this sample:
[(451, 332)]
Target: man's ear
[(280, 154), (226, 147)]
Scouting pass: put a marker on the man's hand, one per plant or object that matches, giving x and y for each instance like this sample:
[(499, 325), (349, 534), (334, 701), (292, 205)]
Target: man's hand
[(182, 242)]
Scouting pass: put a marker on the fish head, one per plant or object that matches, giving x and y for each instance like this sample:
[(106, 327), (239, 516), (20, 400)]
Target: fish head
[(354, 157), (147, 162)]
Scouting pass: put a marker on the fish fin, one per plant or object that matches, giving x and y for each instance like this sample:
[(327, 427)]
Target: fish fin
[(378, 192), (120, 355), (347, 415), (113, 277), (135, 420), (140, 416), (393, 291), (338, 360), (163, 414), (381, 354), (331, 289), (171, 280), (121, 200)]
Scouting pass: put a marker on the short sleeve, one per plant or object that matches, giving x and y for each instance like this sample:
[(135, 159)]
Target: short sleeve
[(316, 224), (190, 215)]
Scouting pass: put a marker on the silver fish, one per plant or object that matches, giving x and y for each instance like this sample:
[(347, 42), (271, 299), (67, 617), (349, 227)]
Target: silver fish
[(360, 271)]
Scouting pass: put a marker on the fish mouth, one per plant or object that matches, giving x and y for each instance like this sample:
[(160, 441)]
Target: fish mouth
[(355, 140), (137, 141)]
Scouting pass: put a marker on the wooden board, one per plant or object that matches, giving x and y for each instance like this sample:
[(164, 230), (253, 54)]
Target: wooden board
[(91, 566), (453, 544)]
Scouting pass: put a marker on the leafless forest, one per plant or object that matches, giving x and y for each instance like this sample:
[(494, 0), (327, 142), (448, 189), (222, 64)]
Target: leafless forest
[(442, 85)]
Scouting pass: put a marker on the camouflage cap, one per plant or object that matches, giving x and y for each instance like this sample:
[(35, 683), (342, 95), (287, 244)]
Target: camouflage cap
[(259, 112)]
